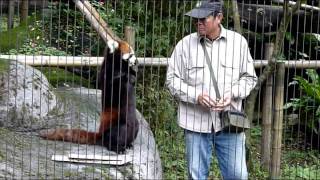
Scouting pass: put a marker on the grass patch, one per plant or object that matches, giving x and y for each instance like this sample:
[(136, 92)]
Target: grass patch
[(172, 152), (14, 38), (296, 164), (4, 65), (70, 174), (300, 164), (301, 172)]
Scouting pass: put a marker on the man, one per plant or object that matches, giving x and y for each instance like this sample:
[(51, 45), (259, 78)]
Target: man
[(189, 81)]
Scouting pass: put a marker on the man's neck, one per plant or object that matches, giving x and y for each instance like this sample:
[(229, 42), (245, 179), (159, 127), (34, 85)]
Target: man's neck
[(214, 35)]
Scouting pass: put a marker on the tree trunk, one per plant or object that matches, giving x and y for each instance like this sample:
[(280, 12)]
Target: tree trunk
[(10, 14), (24, 10), (236, 16), (130, 37), (278, 122), (96, 15), (267, 115), (93, 21)]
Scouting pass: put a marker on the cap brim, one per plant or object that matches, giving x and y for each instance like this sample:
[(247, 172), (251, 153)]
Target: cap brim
[(198, 13)]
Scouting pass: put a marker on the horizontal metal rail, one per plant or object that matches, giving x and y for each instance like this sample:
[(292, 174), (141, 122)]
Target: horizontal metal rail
[(143, 61)]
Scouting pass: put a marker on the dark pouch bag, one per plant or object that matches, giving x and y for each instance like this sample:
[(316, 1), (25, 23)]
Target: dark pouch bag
[(234, 121), (231, 120)]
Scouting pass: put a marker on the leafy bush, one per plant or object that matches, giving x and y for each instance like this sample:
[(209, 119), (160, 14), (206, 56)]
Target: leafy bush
[(309, 103), (159, 109), (13, 38), (154, 29), (301, 165), (59, 77), (31, 47)]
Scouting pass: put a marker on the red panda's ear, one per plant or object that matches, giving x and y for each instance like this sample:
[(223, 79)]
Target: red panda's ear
[(112, 45), (124, 47)]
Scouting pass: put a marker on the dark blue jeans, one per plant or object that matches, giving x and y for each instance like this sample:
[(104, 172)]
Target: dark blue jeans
[(229, 149)]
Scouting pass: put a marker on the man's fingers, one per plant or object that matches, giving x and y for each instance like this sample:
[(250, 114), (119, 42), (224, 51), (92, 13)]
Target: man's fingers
[(208, 101), (224, 102), (218, 105)]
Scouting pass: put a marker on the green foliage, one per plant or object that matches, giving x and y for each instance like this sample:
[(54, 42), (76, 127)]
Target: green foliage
[(4, 65), (309, 102), (312, 89), (309, 49), (17, 37), (310, 172), (154, 23), (31, 47), (66, 29), (36, 43), (153, 98), (301, 165), (61, 77), (13, 38), (4, 22), (159, 109), (172, 151)]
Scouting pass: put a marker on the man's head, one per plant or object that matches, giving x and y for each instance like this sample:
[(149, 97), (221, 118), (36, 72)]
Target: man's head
[(207, 17)]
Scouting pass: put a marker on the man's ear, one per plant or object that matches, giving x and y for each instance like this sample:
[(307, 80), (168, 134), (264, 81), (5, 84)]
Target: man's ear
[(219, 16)]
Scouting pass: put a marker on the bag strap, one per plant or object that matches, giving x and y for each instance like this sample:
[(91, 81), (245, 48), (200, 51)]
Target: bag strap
[(213, 78)]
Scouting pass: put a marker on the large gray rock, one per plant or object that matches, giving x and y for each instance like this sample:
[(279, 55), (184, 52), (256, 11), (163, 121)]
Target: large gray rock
[(25, 155), (26, 99)]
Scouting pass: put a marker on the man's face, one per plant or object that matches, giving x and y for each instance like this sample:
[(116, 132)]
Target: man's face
[(208, 26)]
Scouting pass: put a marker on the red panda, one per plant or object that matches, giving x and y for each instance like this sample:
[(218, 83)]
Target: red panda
[(118, 123)]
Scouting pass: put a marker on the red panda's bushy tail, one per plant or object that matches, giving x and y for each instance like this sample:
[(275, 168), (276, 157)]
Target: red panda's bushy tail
[(108, 117)]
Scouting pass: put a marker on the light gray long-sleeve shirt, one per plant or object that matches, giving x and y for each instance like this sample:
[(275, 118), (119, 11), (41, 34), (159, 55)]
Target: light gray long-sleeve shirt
[(188, 76)]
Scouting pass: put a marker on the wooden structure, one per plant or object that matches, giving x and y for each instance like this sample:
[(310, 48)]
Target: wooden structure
[(81, 61)]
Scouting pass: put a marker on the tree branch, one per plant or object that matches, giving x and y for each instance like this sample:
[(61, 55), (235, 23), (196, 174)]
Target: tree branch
[(270, 68)]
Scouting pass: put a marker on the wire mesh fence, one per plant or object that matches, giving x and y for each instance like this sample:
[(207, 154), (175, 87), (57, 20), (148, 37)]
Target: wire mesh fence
[(53, 79)]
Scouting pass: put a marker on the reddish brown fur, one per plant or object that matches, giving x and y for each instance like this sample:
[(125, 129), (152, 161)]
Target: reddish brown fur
[(124, 47), (107, 117)]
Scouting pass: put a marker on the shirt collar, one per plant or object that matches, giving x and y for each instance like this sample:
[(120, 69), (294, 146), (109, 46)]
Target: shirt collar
[(223, 32)]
